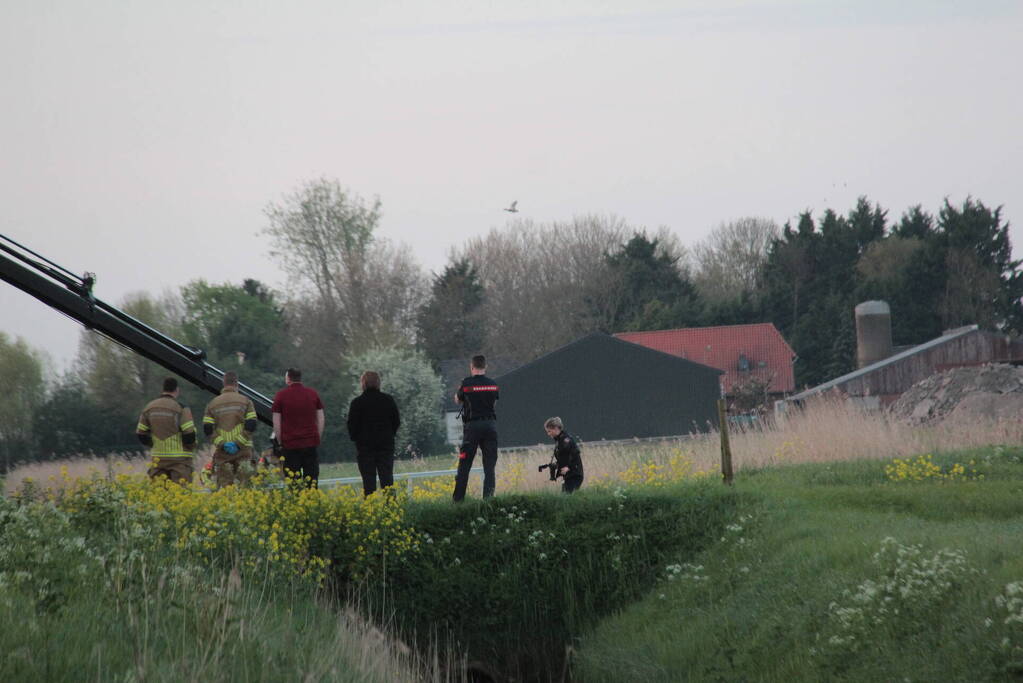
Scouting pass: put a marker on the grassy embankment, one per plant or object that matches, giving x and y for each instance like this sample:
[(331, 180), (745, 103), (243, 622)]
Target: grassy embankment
[(773, 579), (128, 581), (124, 579), (805, 586)]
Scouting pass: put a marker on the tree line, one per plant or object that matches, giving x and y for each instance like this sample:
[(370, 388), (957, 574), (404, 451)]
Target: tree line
[(356, 301)]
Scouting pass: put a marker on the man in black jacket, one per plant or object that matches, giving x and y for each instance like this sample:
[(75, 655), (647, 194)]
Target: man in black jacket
[(566, 454), (373, 421)]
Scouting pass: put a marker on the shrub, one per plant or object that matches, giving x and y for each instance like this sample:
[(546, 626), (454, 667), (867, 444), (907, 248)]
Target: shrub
[(287, 533), (910, 588), (416, 388), (1006, 625)]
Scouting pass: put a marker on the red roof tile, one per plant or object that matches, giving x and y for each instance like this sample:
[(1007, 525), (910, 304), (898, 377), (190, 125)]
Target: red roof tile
[(768, 354)]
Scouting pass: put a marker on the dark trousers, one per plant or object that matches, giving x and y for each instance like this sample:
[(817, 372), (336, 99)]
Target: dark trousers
[(302, 464), (480, 434), (572, 483), (373, 462)]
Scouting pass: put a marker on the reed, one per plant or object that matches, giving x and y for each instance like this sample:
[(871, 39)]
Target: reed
[(828, 430)]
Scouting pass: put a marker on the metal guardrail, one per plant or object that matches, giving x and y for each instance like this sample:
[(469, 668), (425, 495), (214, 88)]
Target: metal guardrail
[(410, 476)]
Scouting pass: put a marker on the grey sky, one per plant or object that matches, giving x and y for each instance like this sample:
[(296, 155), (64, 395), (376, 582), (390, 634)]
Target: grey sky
[(143, 140)]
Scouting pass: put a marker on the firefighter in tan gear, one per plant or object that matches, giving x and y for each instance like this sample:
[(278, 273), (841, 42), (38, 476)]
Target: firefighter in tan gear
[(166, 428), (231, 420)]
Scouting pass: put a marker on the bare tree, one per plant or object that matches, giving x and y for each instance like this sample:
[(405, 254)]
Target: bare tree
[(545, 284), (367, 290), (118, 378), (399, 288), (313, 337), (729, 261)]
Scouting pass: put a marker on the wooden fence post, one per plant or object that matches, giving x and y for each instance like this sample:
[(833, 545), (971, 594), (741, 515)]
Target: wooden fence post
[(726, 449)]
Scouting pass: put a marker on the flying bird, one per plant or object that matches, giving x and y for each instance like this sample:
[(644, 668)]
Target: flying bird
[(512, 208)]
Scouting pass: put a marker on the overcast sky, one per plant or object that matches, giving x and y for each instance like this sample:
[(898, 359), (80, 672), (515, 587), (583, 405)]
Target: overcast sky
[(143, 140)]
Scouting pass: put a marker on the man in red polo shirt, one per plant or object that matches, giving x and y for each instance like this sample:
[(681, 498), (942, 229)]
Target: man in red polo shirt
[(298, 423)]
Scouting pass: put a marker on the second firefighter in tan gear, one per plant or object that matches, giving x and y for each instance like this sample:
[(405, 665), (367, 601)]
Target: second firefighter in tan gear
[(230, 419), (166, 427)]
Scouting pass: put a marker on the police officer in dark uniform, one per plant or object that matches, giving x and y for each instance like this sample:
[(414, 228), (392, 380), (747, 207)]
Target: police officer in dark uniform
[(566, 455), (477, 396)]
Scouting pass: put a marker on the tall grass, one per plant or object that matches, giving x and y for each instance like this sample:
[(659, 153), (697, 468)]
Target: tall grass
[(52, 475), (827, 430)]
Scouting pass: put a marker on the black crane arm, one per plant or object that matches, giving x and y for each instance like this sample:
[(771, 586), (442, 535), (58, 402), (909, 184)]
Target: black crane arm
[(72, 295)]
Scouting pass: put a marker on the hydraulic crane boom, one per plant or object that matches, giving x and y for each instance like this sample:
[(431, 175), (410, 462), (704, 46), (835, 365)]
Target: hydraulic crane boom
[(72, 295)]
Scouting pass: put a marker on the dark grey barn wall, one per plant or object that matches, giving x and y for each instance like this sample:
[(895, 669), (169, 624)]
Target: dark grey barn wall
[(606, 389)]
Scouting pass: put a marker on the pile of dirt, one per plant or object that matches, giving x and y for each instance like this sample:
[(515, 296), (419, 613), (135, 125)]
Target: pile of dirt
[(986, 391)]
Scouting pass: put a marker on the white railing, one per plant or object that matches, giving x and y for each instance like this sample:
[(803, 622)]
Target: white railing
[(410, 476)]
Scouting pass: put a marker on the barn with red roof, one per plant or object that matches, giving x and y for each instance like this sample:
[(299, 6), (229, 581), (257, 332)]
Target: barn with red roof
[(742, 352)]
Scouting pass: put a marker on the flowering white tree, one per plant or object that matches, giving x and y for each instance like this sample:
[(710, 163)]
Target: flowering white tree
[(417, 389)]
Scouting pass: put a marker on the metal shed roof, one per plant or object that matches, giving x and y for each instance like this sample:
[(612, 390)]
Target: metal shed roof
[(873, 367)]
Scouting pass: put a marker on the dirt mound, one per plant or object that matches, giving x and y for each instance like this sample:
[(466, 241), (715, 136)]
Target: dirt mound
[(989, 391)]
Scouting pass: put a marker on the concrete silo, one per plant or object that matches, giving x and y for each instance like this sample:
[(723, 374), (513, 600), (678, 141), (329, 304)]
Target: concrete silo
[(873, 332)]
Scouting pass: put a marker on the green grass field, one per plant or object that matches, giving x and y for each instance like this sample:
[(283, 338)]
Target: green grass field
[(765, 602)]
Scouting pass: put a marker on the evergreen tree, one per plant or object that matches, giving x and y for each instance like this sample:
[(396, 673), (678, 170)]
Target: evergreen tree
[(906, 269), (653, 292), (240, 328), (915, 223), (897, 270), (811, 287), (841, 353), (867, 224), (934, 274), (789, 274), (71, 422), (741, 310), (450, 323), (983, 282)]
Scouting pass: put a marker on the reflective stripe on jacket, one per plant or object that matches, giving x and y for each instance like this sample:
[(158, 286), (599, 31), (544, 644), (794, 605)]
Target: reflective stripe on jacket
[(230, 417), (166, 421)]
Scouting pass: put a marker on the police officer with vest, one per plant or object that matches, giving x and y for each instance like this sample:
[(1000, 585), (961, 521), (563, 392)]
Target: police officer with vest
[(567, 458), (166, 428), (477, 395), (230, 419)]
